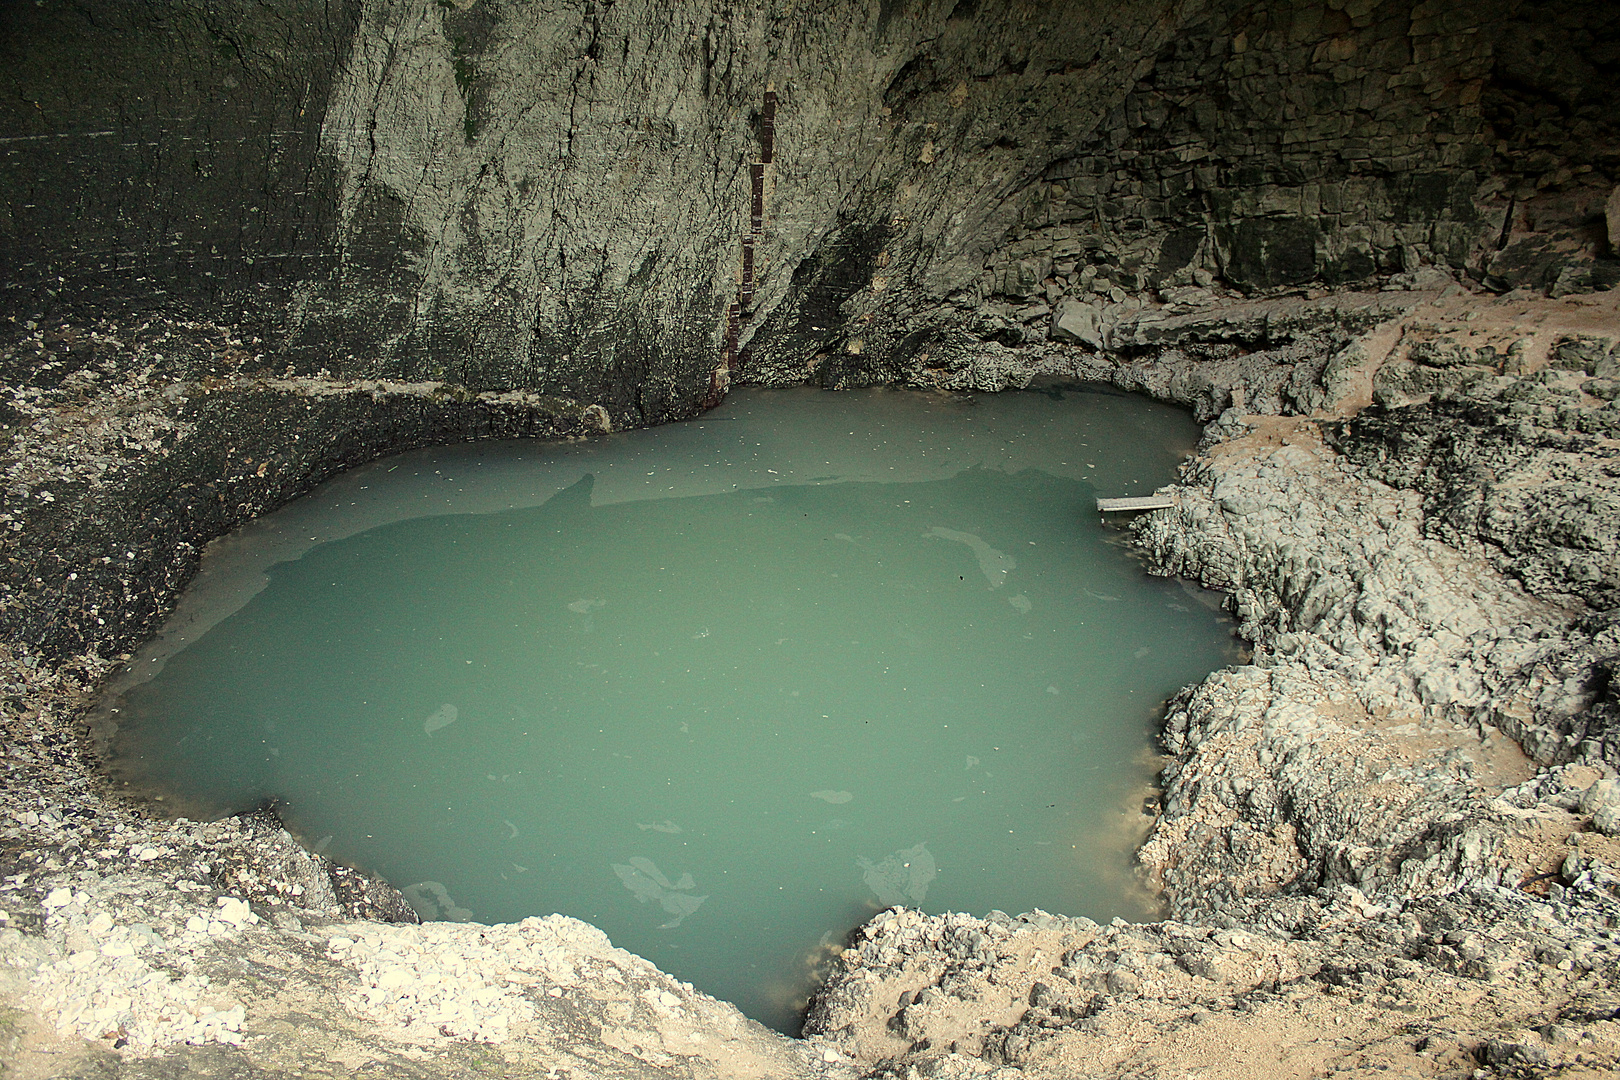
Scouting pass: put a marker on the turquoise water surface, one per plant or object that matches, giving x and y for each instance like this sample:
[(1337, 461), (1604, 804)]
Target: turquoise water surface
[(723, 689)]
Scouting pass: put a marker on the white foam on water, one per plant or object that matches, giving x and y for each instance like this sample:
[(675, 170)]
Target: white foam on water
[(643, 878), (900, 879), (994, 565)]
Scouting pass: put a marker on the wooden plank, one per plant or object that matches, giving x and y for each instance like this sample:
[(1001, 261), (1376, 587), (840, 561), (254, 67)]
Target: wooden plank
[(1146, 502)]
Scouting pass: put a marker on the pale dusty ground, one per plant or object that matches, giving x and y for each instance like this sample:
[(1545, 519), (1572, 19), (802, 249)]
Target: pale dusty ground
[(31, 1050), (1254, 1010), (1500, 320), (1319, 1033)]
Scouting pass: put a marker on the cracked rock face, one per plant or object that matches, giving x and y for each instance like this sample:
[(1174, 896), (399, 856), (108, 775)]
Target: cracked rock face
[(571, 200), (568, 200)]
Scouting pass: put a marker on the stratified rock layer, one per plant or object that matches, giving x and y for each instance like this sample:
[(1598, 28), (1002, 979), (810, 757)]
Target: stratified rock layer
[(570, 200)]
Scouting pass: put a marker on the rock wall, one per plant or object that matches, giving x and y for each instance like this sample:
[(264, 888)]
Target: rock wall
[(500, 195), (134, 444), (166, 154)]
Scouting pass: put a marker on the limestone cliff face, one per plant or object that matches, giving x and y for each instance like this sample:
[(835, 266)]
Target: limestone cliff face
[(562, 197), (165, 153), (567, 200)]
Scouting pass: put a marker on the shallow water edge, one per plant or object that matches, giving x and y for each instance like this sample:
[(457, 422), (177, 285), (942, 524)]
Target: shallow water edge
[(843, 465)]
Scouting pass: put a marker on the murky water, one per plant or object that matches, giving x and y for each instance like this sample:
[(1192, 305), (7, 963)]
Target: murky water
[(723, 689)]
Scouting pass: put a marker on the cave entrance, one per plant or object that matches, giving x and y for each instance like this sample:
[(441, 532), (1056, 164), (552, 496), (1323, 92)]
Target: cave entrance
[(724, 689)]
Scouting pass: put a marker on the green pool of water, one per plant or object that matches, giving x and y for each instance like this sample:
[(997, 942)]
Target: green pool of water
[(723, 689)]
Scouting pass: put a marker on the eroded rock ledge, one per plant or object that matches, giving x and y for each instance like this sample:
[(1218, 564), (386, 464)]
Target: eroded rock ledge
[(1349, 837)]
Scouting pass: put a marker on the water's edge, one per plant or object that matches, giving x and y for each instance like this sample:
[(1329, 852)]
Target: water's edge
[(138, 863)]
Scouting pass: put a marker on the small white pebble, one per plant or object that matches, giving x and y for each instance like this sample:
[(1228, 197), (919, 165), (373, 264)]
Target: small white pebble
[(235, 911)]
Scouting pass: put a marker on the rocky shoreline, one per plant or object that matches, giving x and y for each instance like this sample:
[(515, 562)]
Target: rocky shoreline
[(1385, 842), (1351, 838)]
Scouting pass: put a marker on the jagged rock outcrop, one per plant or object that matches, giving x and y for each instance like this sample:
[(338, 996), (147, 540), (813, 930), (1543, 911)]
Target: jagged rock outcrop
[(1524, 466)]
